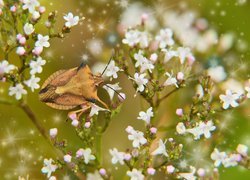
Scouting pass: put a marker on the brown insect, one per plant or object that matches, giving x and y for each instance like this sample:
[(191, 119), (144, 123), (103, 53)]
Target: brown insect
[(67, 89)]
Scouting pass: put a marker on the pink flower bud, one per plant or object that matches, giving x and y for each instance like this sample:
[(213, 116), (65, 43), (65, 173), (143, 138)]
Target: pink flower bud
[(201, 172), (75, 123), (170, 169), (53, 132), (127, 156), (180, 76), (19, 36), (179, 112), (153, 57), (102, 171), (122, 97), (67, 158), (151, 171), (79, 153), (87, 124), (72, 116), (144, 17), (153, 130), (170, 139), (191, 60), (20, 51), (37, 50), (13, 8), (22, 40), (42, 9), (129, 129)]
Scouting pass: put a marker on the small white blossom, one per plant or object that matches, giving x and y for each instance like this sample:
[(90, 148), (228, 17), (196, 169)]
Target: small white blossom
[(67, 158), (36, 66), (28, 29), (169, 54), (184, 53), (141, 81), (146, 116), (5, 67), (232, 160), (17, 90), (180, 128), (48, 167), (137, 137), (94, 176), (132, 37), (42, 41), (135, 174), (196, 131), (218, 157), (190, 175), (161, 150), (229, 99), (171, 80), (30, 5), (35, 15), (71, 20), (242, 149), (165, 38), (117, 156), (95, 110), (170, 169), (248, 91), (33, 83), (87, 155), (110, 91), (143, 62), (217, 73), (112, 70), (144, 40)]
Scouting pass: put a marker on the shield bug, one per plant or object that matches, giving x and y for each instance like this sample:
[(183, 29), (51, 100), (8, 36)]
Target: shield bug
[(67, 89)]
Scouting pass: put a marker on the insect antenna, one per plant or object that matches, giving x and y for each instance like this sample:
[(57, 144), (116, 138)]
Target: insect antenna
[(108, 63), (115, 91)]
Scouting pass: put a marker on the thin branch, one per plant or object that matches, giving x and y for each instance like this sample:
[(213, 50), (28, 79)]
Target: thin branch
[(166, 96)]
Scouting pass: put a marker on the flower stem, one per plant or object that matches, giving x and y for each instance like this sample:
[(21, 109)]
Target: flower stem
[(99, 147)]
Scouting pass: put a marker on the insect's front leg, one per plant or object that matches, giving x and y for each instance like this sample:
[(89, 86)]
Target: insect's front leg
[(79, 112)]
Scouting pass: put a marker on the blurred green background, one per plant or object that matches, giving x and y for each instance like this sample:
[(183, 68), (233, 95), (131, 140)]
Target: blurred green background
[(22, 149)]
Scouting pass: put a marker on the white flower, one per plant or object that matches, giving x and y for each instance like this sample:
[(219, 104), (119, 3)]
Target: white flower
[(94, 176), (28, 29), (132, 37), (33, 83), (110, 91), (217, 73), (171, 80), (35, 15), (135, 174), (112, 70), (71, 20), (170, 169), (165, 38), (95, 110), (48, 167), (146, 116), (117, 156), (196, 131), (5, 67), (30, 4), (137, 137), (180, 128), (242, 149), (143, 62), (248, 91), (218, 157), (232, 160), (87, 155), (144, 40), (53, 132), (17, 90), (140, 80), (190, 175), (206, 128), (52, 178), (229, 99), (42, 41), (184, 53), (161, 149), (67, 158), (169, 54), (36, 66)]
